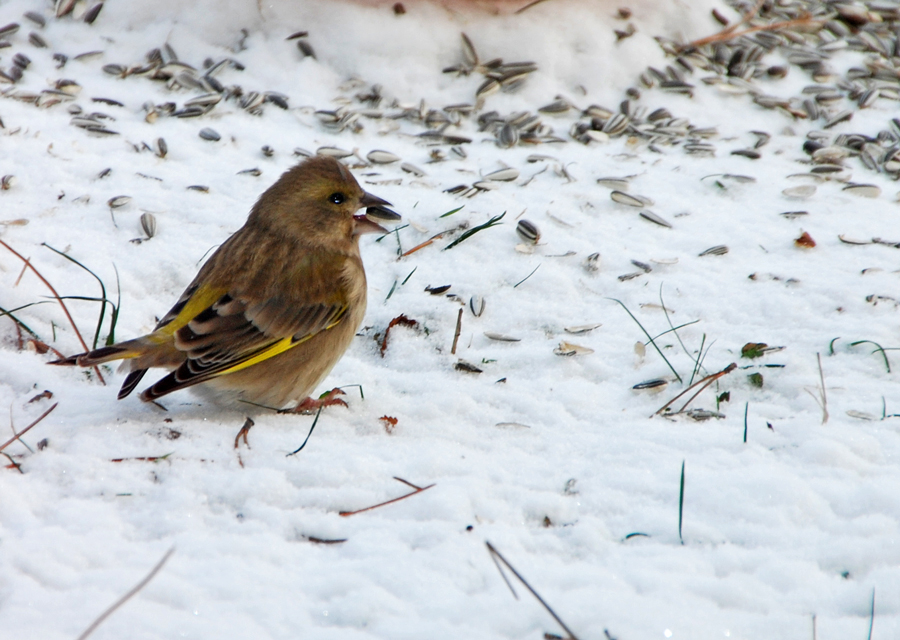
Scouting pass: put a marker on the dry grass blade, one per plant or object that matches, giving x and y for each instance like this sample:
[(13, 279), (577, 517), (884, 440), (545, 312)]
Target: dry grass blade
[(140, 585), (28, 428), (702, 383), (416, 490), (821, 399), (61, 303), (496, 555)]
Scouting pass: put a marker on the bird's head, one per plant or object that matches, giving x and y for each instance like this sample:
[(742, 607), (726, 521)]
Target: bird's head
[(318, 200)]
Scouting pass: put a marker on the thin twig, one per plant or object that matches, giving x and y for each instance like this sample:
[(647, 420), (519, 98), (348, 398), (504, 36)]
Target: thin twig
[(702, 383), (457, 332), (61, 303), (26, 429), (382, 504), (774, 26), (140, 585), (493, 551)]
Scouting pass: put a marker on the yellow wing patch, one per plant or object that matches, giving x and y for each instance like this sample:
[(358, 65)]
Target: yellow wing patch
[(198, 302), (279, 347)]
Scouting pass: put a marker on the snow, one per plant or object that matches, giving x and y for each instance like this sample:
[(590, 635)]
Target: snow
[(554, 460)]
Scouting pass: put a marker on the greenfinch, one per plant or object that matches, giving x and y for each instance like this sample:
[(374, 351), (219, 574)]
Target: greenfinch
[(275, 307)]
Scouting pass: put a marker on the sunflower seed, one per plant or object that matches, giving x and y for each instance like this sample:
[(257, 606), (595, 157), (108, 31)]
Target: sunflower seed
[(718, 250), (864, 190), (297, 34), (148, 224), (488, 87), (627, 199), (657, 383), (36, 18), (411, 168), (466, 367), (7, 182), (306, 49), (476, 304), (800, 192), (794, 214), (250, 172), (486, 185), (209, 134), (91, 14), (114, 69), (161, 147), (582, 328), (9, 29), (333, 152), (199, 187), (652, 217), (499, 337), (528, 231), (205, 100), (508, 136), (381, 157), (90, 55), (619, 184), (118, 201), (747, 153)]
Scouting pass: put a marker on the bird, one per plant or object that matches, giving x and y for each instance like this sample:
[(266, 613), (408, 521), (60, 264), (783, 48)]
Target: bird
[(275, 307)]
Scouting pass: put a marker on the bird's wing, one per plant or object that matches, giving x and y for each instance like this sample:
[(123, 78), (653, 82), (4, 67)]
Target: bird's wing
[(234, 333)]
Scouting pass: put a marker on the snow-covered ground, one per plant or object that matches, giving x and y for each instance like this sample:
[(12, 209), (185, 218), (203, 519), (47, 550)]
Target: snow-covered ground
[(555, 460)]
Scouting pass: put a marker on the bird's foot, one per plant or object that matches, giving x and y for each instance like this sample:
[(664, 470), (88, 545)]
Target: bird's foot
[(327, 399)]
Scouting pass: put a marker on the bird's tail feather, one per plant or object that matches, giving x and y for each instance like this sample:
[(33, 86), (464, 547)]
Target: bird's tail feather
[(131, 381)]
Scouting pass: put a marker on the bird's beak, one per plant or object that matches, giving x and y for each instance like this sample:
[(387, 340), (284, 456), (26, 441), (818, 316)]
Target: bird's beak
[(376, 211)]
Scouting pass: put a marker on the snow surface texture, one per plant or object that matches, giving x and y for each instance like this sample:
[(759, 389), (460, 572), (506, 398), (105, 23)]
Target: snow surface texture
[(554, 460)]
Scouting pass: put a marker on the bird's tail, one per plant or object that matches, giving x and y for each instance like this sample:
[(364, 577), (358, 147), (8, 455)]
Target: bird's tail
[(121, 351)]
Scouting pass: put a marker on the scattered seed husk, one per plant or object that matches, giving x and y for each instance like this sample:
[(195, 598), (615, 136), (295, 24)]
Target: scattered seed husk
[(476, 304), (591, 264), (794, 214), (499, 337), (118, 201), (210, 134), (436, 291), (467, 367), (502, 175), (528, 231), (35, 17), (413, 169), (334, 152), (657, 384), (37, 41), (91, 14), (652, 217), (570, 349), (162, 149), (511, 425), (199, 187), (382, 157), (619, 184), (581, 328), (486, 185), (718, 250), (863, 190), (148, 224), (627, 199), (800, 192), (255, 172), (7, 182)]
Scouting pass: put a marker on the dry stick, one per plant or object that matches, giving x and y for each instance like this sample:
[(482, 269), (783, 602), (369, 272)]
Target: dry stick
[(766, 27), (458, 331), (26, 429), (705, 382), (423, 244), (382, 504), (546, 606), (58, 299), (140, 585)]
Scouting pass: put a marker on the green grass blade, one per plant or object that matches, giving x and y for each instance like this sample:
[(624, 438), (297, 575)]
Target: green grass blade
[(652, 341)]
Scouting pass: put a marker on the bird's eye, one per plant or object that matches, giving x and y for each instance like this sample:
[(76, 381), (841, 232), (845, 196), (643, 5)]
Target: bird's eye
[(336, 198)]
